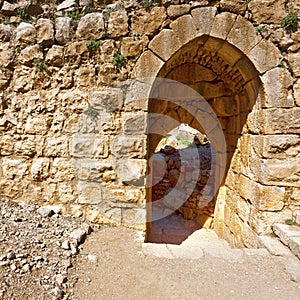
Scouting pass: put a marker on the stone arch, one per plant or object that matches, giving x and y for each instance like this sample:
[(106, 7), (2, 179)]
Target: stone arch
[(230, 43)]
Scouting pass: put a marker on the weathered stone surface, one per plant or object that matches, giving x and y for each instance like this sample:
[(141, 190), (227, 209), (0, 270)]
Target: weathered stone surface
[(26, 33), (224, 106), (45, 31), (37, 125), (6, 32), (14, 168), (174, 11), (294, 59), (280, 120), (91, 27), (6, 54), (67, 4), (89, 145), (131, 171), (117, 24), (204, 18), (30, 54), (265, 56), (148, 65), (184, 28), (109, 99), (297, 92), (269, 11), (55, 56), (268, 198), (132, 47), (56, 146), (63, 169), (222, 25), (237, 7), (63, 30), (243, 35), (274, 246), (8, 8), (277, 82), (40, 168), (148, 23), (128, 146), (165, 44)]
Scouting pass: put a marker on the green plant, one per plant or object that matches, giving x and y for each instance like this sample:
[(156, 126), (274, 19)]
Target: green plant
[(247, 1), (40, 64), (281, 64), (259, 29), (290, 21), (7, 20), (119, 60), (92, 45), (148, 3), (289, 222), (92, 112), (21, 13), (74, 15), (18, 48)]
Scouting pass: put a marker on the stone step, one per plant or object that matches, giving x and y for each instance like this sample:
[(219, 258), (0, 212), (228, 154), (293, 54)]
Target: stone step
[(290, 236)]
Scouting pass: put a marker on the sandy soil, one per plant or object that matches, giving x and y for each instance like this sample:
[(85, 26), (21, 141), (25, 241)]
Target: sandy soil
[(122, 271)]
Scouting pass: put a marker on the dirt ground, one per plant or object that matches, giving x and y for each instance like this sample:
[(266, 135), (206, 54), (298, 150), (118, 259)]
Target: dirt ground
[(112, 265)]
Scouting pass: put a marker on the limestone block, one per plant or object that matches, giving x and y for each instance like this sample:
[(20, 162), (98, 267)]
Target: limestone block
[(280, 146), (30, 54), (63, 169), (45, 31), (55, 55), (132, 47), (65, 193), (117, 24), (268, 198), (280, 120), (129, 146), (294, 59), (67, 4), (147, 23), (85, 75), (56, 146), (37, 124), (280, 172), (165, 44), (26, 33), (268, 11), (91, 169), (297, 92), (222, 25), (6, 145), (224, 106), (184, 28), (210, 90), (8, 9), (6, 32), (109, 99), (243, 35), (235, 6), (229, 54), (134, 123), (276, 84), (6, 54), (91, 192), (63, 30), (40, 168), (14, 168), (148, 65), (131, 171), (91, 27), (204, 18), (89, 146), (265, 56), (134, 217), (174, 11)]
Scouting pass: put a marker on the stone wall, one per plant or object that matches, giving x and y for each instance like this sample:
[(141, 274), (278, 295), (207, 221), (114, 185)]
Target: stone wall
[(73, 127)]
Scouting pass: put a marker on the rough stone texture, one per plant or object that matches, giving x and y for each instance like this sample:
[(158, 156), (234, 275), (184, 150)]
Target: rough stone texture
[(91, 27), (72, 127)]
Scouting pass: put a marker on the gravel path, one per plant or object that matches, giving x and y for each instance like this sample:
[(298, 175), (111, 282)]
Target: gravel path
[(43, 255)]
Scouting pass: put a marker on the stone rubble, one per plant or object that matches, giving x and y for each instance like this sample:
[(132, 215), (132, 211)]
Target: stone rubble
[(37, 250)]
